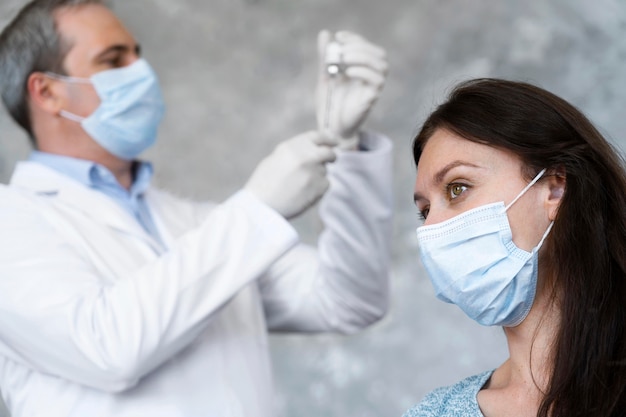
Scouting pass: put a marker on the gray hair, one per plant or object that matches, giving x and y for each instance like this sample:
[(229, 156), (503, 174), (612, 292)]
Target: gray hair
[(31, 43)]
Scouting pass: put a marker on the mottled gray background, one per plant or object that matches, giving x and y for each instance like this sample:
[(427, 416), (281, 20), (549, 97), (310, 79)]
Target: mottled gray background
[(239, 76)]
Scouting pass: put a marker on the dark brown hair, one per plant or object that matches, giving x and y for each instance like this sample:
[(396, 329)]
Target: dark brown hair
[(586, 249)]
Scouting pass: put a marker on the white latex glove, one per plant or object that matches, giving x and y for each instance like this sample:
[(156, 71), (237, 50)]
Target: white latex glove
[(345, 99), (293, 177)]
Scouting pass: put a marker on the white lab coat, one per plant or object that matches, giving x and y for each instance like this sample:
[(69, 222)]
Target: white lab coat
[(97, 320)]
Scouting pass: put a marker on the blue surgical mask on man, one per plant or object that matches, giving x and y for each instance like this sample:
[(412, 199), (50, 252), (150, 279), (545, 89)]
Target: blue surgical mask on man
[(130, 111), (473, 262)]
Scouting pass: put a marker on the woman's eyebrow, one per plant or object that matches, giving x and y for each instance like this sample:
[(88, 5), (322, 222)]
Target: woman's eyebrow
[(439, 176)]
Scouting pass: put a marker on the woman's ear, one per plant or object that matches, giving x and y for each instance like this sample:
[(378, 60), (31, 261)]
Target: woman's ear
[(43, 93), (556, 181)]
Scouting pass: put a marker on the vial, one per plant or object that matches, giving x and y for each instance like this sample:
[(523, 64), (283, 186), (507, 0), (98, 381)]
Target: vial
[(333, 59)]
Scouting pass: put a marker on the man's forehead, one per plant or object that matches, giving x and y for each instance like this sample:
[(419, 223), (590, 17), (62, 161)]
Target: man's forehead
[(91, 29), (90, 22)]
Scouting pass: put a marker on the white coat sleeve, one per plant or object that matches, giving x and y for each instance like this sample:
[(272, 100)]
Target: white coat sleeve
[(343, 284), (57, 316)]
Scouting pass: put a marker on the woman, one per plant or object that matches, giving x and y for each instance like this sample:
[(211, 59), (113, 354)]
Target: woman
[(524, 207)]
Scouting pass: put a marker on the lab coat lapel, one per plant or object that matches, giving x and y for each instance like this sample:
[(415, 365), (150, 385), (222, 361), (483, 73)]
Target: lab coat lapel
[(44, 181)]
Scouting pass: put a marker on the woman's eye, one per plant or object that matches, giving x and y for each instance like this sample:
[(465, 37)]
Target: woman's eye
[(422, 214), (455, 190)]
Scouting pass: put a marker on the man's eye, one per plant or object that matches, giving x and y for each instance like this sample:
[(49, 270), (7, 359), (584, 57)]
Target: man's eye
[(114, 62), (455, 190)]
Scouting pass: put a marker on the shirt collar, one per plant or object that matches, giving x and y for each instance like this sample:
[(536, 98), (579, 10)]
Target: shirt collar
[(94, 175)]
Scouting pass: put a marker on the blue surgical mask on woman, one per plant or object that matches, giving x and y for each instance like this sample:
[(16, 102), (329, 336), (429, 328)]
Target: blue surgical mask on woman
[(130, 111), (472, 262)]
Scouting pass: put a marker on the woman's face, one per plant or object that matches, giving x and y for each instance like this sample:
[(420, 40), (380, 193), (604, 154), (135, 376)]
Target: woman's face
[(455, 175)]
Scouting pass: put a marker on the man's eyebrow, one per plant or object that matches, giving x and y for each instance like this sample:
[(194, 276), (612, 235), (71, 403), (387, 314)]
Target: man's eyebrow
[(439, 175), (119, 48)]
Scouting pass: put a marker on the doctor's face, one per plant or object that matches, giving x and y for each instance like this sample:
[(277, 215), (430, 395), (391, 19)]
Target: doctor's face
[(455, 175), (97, 41)]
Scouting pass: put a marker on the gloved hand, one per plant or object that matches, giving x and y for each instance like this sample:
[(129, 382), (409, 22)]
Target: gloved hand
[(293, 177), (344, 99)]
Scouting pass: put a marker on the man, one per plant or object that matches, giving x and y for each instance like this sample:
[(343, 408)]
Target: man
[(118, 299)]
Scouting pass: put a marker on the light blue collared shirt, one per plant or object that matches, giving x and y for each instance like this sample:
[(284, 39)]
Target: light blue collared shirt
[(99, 178)]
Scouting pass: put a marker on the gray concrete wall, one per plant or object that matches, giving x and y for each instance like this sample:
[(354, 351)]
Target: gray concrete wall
[(238, 77)]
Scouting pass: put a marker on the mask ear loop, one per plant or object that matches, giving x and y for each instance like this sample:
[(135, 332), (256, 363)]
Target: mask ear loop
[(71, 116), (76, 80), (530, 184), (545, 235)]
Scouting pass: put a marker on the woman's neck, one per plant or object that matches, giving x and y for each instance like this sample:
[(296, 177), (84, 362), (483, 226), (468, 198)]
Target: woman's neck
[(531, 344), (517, 386)]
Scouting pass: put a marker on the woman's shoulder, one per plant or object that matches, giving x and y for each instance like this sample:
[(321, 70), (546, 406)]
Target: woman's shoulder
[(458, 400)]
